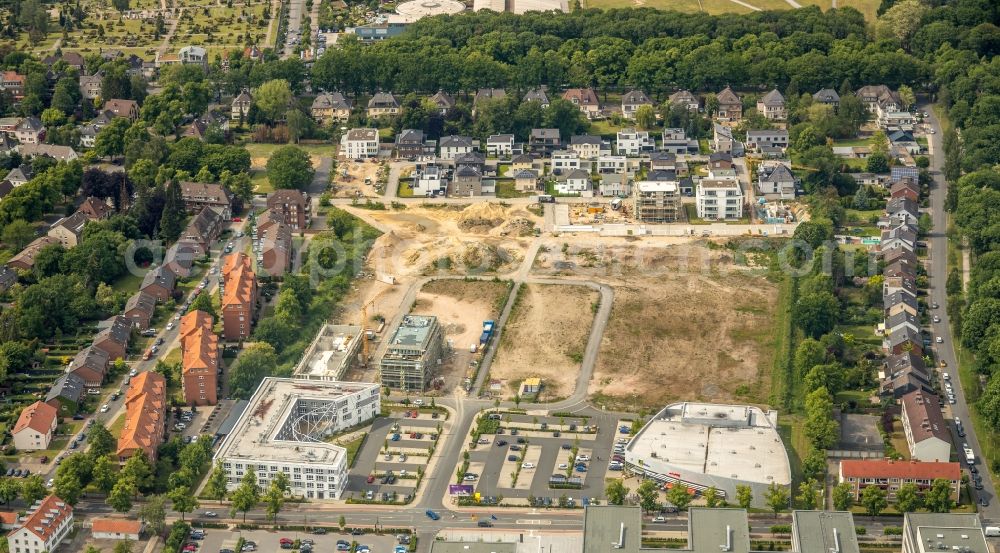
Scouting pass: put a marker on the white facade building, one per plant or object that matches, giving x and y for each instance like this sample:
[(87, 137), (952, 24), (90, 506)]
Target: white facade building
[(429, 181), (283, 430), (719, 199), (564, 161), (359, 144), (631, 142), (46, 526)]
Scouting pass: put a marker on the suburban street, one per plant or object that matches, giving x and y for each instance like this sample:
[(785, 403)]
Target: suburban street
[(938, 273)]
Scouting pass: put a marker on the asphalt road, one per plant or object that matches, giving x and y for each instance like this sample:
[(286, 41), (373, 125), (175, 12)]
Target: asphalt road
[(937, 294)]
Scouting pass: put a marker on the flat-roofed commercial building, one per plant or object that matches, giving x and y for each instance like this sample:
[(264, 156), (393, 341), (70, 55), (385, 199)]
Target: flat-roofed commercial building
[(824, 531), (414, 349), (933, 532), (703, 445), (284, 429), (331, 353)]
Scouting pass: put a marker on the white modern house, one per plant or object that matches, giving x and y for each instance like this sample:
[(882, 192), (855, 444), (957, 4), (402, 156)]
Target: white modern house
[(719, 199), (564, 161), (631, 142), (359, 144)]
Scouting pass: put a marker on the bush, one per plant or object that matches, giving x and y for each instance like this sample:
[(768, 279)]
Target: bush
[(781, 529), (892, 531), (860, 530)]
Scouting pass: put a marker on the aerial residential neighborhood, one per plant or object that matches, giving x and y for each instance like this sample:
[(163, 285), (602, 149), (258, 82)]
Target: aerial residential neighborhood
[(482, 277)]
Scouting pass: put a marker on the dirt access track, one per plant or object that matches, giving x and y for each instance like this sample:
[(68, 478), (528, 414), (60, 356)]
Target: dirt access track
[(461, 306), (545, 336), (687, 323)]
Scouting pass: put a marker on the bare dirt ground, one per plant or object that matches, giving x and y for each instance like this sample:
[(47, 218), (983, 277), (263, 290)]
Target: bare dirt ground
[(350, 179), (545, 336), (461, 307), (687, 323)]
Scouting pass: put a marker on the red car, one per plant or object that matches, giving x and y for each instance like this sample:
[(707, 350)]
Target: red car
[(237, 220), (371, 478), (413, 435), (285, 541), (415, 414), (191, 548)]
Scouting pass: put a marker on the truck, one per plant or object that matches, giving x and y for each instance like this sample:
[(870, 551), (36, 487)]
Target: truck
[(487, 332), (970, 456)]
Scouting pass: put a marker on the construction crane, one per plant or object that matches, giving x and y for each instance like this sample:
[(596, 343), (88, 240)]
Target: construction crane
[(365, 345)]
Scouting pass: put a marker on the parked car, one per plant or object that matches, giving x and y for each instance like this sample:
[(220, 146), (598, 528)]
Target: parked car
[(210, 514)]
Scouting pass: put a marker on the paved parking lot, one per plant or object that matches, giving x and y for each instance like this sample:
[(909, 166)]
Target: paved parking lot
[(267, 540), (406, 458), (545, 443)]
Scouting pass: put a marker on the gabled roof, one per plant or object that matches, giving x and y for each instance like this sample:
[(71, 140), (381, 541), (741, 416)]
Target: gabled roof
[(30, 124), (887, 468), (727, 96), (522, 158), (773, 99), (900, 319), (74, 223), (780, 173), (455, 141), (827, 96), (142, 302), (899, 297), (55, 151), (331, 100), (489, 94), (586, 139), (193, 321), (635, 98), (145, 403), (383, 100), (544, 134), (468, 171), (582, 96), (411, 136), (661, 175), (120, 107), (118, 330), (575, 174), (526, 174), (115, 526), (901, 136), (90, 359), (94, 208), (161, 276), (39, 416), (903, 335), (923, 412), (470, 158), (443, 100), (22, 173), (500, 139), (47, 517), (243, 97), (683, 97), (68, 386), (536, 95), (907, 360), (203, 223)]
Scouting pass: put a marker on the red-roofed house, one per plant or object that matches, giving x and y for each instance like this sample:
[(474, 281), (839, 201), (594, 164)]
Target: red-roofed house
[(46, 526), (9, 520), (116, 529), (145, 412), (35, 427), (890, 475)]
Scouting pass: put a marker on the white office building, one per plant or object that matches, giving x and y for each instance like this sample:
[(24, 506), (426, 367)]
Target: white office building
[(284, 429)]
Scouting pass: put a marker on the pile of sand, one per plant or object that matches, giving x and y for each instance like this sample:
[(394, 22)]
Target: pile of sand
[(518, 226), (481, 217), (484, 258)]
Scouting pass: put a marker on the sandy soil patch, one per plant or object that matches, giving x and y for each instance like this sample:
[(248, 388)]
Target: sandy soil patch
[(701, 335), (687, 323), (545, 337)]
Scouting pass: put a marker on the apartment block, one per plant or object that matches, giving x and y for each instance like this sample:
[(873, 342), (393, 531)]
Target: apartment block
[(657, 202), (239, 298), (719, 199)]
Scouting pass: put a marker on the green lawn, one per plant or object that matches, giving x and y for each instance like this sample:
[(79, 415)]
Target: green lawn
[(505, 189), (405, 189), (116, 427), (127, 283), (261, 184), (265, 150), (853, 142)]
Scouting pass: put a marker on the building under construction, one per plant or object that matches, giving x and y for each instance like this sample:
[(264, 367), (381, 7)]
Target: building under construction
[(657, 202), (411, 354), (331, 353)]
